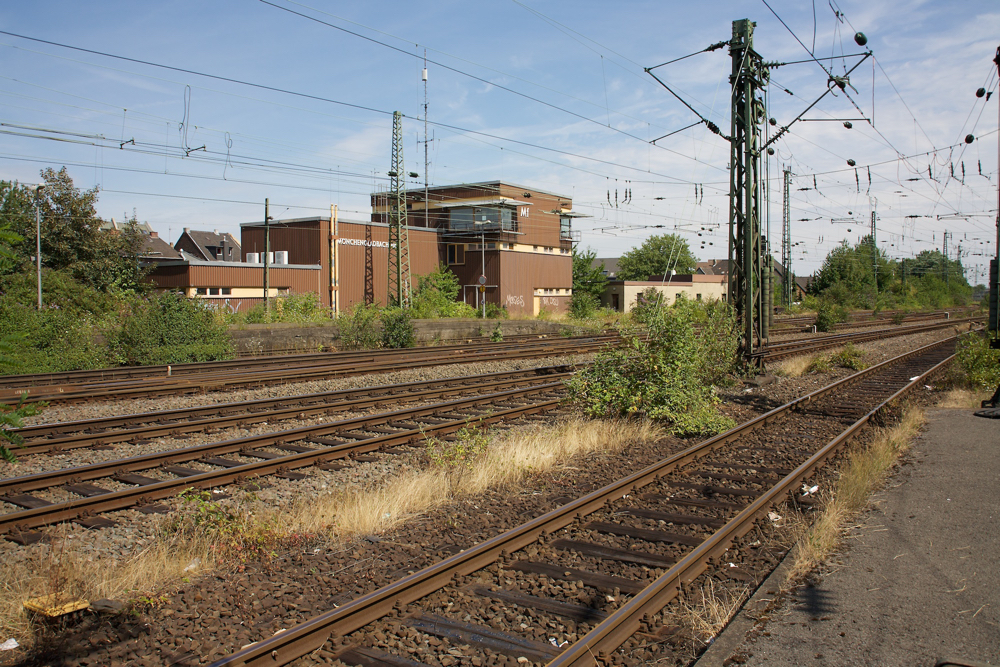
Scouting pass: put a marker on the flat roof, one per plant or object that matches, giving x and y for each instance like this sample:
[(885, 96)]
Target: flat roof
[(496, 184)]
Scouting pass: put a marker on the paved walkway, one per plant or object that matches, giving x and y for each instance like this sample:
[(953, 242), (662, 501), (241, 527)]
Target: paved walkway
[(921, 579)]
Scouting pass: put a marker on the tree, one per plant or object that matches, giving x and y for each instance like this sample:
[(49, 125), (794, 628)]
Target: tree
[(71, 236), (587, 278), (657, 256)]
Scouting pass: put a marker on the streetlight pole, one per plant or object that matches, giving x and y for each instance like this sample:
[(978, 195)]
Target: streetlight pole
[(38, 241)]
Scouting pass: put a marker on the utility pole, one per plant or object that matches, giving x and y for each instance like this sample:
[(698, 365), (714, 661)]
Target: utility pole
[(944, 251), (38, 240), (427, 210), (994, 282), (267, 258), (786, 239), (874, 249), (746, 279), (399, 240)]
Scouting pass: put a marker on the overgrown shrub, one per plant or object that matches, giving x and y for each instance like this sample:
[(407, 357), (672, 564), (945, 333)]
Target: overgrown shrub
[(583, 305), (849, 357), (358, 328), (397, 328), (497, 335), (828, 314), (899, 317), (979, 363), (495, 312), (436, 296), (647, 304), (293, 308), (168, 328), (660, 375)]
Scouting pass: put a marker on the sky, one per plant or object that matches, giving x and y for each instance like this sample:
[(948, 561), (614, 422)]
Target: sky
[(190, 114)]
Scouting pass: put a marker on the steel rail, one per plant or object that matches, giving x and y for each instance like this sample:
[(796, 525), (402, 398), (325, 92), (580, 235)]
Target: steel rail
[(110, 375), (776, 351), (64, 436), (612, 632), (174, 386), (312, 634), (24, 520), (49, 479)]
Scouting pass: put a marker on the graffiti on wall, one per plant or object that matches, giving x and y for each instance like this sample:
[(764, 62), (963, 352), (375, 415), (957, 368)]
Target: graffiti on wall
[(515, 300), (550, 301)]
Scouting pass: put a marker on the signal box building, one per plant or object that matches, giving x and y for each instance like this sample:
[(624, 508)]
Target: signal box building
[(519, 238)]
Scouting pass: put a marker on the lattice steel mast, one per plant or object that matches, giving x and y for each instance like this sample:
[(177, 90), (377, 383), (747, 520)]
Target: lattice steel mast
[(399, 240), (747, 280), (786, 240)]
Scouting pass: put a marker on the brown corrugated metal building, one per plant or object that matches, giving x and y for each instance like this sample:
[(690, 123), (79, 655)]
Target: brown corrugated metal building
[(527, 234)]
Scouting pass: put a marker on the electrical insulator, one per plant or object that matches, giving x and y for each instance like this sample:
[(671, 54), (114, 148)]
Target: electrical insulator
[(848, 124), (860, 39), (424, 75), (969, 138), (851, 162)]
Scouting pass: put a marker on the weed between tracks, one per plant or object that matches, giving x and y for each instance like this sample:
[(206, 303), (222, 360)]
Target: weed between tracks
[(204, 535), (471, 464), (863, 472)]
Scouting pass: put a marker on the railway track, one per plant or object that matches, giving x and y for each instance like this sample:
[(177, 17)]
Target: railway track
[(139, 428), (588, 575), (781, 350), (140, 481), (197, 378)]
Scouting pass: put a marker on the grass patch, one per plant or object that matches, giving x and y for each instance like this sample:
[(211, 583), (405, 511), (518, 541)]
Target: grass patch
[(711, 611), (794, 367), (863, 472), (472, 464), (963, 398)]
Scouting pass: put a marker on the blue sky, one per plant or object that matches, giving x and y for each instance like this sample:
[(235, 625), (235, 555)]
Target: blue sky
[(544, 93)]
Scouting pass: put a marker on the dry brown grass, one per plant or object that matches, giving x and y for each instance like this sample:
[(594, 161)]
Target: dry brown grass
[(64, 570), (962, 398), (863, 472), (503, 464), (709, 614), (794, 367)]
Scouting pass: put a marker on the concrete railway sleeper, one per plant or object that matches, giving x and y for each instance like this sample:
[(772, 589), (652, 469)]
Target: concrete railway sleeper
[(374, 362), (63, 436), (278, 453), (605, 565)]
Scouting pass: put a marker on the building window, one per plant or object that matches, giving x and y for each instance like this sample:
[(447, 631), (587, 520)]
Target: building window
[(565, 227), (697, 297), (202, 291), (485, 218), (213, 291), (227, 291), (456, 253), (548, 249)]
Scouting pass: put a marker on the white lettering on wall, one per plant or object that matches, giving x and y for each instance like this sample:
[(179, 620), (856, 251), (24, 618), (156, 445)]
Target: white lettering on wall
[(515, 300), (522, 211), (549, 301), (362, 242)]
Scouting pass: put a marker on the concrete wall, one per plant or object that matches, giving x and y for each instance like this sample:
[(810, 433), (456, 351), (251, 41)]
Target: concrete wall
[(270, 338)]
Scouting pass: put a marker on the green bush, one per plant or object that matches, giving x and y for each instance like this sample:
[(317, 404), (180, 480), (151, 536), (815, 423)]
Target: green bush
[(828, 314), (358, 328), (495, 312), (436, 296), (583, 305), (293, 308), (168, 328), (898, 317), (980, 364), (397, 328), (647, 305), (497, 335), (849, 357), (660, 375)]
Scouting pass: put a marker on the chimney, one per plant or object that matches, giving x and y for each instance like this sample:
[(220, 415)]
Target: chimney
[(215, 231), (154, 235), (186, 229)]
